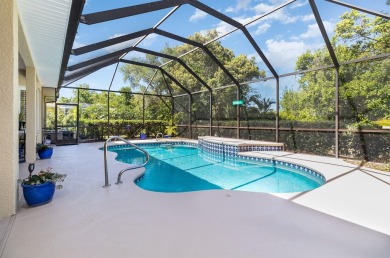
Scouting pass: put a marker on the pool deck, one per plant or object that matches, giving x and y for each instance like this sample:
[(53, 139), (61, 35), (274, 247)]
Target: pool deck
[(346, 217)]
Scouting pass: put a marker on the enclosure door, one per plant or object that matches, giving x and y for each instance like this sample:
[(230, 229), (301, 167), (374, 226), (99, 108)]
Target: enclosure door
[(66, 124)]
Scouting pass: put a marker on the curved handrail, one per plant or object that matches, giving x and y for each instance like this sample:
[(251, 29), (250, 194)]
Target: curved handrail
[(106, 184), (162, 136)]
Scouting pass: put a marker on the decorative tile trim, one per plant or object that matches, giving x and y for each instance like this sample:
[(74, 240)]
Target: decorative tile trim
[(297, 168), (239, 159), (119, 146), (231, 150)]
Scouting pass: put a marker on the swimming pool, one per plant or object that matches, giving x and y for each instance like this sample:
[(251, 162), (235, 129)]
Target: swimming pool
[(183, 168)]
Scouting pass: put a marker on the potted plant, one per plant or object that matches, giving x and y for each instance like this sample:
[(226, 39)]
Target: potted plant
[(39, 189), (142, 135), (44, 151), (22, 120)]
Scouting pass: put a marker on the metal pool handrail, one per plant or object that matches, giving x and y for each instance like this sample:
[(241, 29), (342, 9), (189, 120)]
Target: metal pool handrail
[(162, 136), (106, 184)]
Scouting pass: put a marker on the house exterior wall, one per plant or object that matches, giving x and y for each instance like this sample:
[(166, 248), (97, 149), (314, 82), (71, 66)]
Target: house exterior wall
[(9, 88)]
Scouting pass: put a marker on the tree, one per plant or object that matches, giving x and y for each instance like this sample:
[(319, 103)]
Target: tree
[(364, 87)]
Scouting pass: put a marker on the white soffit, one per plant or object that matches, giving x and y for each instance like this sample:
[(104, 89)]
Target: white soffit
[(45, 24)]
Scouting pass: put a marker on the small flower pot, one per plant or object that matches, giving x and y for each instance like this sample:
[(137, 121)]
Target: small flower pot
[(45, 154), (142, 136), (36, 195)]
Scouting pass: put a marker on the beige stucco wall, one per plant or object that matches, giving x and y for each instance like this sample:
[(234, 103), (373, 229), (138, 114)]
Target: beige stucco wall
[(9, 167), (31, 123)]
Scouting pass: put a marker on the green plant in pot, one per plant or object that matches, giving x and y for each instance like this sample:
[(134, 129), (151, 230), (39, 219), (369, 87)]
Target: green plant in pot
[(22, 120), (39, 189), (44, 151)]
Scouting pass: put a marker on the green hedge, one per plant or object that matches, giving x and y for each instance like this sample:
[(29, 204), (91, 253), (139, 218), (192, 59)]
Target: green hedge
[(99, 129)]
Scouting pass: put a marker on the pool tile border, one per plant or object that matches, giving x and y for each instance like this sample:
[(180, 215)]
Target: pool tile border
[(231, 150)]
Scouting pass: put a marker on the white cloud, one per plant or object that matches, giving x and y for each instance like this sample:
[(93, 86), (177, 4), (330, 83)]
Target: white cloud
[(256, 57), (77, 44), (279, 15), (197, 15), (299, 4), (313, 31), (277, 2), (309, 17), (283, 53), (149, 40), (262, 28), (223, 28), (263, 8), (244, 20), (241, 5)]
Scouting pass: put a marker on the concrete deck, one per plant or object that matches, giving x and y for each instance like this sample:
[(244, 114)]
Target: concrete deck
[(347, 217)]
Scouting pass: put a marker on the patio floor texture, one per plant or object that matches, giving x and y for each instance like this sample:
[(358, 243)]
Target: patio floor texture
[(346, 217)]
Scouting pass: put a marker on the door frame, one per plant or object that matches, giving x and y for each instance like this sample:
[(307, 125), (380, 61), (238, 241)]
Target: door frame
[(68, 142)]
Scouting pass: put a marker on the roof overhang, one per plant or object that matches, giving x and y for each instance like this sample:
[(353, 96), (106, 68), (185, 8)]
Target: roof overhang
[(45, 24)]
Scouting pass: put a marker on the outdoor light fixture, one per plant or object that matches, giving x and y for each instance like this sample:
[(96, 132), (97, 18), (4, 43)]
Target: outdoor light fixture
[(31, 167)]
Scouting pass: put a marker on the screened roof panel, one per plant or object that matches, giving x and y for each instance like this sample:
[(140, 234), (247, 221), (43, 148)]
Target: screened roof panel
[(231, 8), (289, 38), (75, 59), (373, 5), (287, 34), (215, 72), (158, 86), (159, 43), (199, 62), (244, 11), (88, 34), (175, 88), (184, 76), (92, 6), (187, 21), (238, 42), (135, 76), (99, 79), (238, 60), (353, 36)]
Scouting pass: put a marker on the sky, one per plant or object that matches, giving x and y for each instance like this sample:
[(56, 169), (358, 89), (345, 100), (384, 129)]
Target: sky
[(282, 36)]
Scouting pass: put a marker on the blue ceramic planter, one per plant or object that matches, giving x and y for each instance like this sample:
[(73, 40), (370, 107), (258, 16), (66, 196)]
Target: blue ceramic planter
[(142, 136), (36, 195), (45, 154)]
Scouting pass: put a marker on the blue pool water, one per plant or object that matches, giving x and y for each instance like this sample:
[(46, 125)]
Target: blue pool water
[(183, 168)]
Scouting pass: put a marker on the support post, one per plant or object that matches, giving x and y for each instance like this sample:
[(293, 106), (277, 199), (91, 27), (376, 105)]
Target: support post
[(238, 112), (31, 110), (78, 116), (190, 115), (277, 111), (143, 111), (108, 114), (337, 113), (108, 101), (211, 114), (173, 111)]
